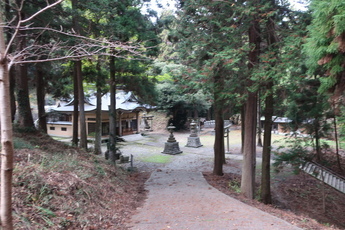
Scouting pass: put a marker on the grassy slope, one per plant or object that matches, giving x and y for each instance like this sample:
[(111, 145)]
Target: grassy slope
[(56, 186)]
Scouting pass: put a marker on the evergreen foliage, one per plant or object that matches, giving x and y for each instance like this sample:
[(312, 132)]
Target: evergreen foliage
[(326, 43)]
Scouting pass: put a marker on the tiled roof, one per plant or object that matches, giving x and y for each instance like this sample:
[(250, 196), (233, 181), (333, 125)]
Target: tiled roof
[(125, 101)]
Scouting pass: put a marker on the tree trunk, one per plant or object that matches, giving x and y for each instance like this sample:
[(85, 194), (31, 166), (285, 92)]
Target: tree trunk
[(82, 122), (12, 93), (266, 151), (219, 151), (209, 114), (75, 122), (76, 99), (243, 112), (11, 71), (79, 76), (112, 111), (272, 41), (249, 149), (336, 142), (259, 124), (317, 140), (25, 119), (219, 141), (98, 134), (40, 92), (6, 139)]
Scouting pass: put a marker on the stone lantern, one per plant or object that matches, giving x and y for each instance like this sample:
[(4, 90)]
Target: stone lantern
[(193, 139), (147, 118), (171, 146)]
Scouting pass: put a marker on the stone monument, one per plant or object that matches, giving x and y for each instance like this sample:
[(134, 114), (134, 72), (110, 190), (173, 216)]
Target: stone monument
[(147, 118), (171, 146), (193, 139)]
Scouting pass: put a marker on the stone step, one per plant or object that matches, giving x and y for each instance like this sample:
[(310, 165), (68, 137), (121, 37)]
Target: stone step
[(325, 176), (341, 186), (333, 182), (308, 167), (311, 169)]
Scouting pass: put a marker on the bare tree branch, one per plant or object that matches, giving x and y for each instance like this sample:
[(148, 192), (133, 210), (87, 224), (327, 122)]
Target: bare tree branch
[(20, 21), (42, 10), (60, 50)]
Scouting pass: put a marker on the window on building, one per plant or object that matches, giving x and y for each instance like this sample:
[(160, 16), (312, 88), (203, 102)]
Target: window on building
[(63, 129), (91, 128), (51, 128)]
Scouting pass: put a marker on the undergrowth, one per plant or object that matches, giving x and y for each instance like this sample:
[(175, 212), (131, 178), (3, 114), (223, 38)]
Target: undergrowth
[(56, 186)]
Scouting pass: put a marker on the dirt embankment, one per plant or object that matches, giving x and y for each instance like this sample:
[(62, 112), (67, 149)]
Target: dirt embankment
[(56, 186)]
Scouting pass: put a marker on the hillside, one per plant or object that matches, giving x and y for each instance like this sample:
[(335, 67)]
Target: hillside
[(61, 187)]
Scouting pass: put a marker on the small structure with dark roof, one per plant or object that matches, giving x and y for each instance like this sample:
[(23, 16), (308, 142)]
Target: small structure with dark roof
[(129, 111)]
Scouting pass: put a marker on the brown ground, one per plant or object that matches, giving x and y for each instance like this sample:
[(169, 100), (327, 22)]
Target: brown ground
[(296, 198), (60, 187)]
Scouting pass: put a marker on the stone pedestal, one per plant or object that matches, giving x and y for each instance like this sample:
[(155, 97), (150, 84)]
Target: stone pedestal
[(193, 142), (172, 148)]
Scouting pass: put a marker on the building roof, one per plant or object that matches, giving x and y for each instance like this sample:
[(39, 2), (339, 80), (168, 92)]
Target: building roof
[(125, 101)]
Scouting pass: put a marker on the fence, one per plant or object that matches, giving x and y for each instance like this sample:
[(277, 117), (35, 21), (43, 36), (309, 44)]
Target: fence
[(212, 123)]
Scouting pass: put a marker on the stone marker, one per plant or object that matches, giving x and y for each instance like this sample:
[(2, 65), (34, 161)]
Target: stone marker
[(193, 139), (171, 146)]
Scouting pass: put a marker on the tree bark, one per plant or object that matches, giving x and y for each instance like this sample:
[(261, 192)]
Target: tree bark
[(219, 151), (79, 80), (75, 122), (11, 72), (259, 124), (112, 111), (266, 151), (219, 141), (272, 40), (98, 134), (336, 142), (40, 92), (25, 119), (6, 139), (249, 149), (243, 112), (82, 122), (12, 93), (316, 125)]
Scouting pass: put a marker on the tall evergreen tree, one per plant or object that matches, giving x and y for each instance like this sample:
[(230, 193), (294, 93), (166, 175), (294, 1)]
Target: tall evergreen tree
[(326, 46), (210, 42), (120, 21), (249, 149)]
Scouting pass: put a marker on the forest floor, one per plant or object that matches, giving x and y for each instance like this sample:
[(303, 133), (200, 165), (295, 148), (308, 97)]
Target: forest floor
[(56, 186)]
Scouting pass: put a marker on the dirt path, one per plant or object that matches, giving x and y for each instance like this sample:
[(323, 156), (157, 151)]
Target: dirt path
[(180, 198)]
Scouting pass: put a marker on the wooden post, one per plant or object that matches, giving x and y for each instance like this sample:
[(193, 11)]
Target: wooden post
[(120, 123), (138, 123)]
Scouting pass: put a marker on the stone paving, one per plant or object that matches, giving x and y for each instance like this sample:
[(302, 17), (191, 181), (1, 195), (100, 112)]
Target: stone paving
[(180, 198)]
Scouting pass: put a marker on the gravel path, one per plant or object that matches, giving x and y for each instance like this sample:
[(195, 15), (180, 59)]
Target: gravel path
[(180, 198)]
